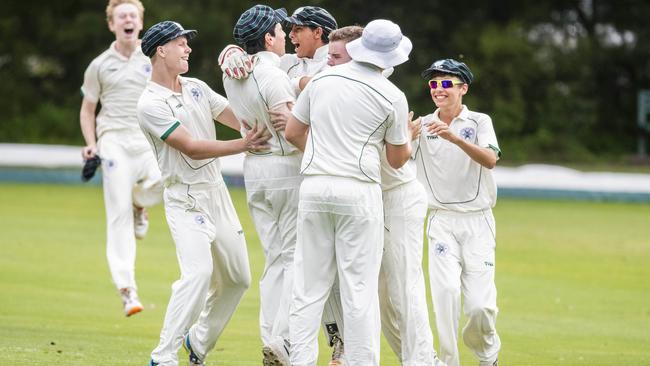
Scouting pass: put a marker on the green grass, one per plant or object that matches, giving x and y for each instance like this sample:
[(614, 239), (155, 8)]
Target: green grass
[(573, 281)]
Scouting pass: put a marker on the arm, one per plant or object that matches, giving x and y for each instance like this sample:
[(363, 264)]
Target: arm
[(181, 140), (398, 155), (482, 155), (87, 122), (296, 133), (228, 118)]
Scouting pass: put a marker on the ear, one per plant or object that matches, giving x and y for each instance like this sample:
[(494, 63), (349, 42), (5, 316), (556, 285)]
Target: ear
[(161, 51), (269, 40), (464, 89), (318, 33), (111, 26)]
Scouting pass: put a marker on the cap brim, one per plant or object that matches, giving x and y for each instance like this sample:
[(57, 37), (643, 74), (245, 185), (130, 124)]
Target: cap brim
[(426, 74), (281, 14), (358, 52), (292, 20), (188, 33)]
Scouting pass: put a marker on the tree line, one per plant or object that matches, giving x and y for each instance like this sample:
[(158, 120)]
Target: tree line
[(559, 78)]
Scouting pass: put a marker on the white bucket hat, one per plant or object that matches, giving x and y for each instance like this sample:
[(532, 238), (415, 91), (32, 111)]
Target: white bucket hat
[(381, 44)]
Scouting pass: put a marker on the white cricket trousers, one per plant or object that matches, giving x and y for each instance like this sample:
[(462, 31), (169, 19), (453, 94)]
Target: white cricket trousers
[(462, 260), (272, 186), (130, 177), (340, 231), (213, 261), (402, 294)]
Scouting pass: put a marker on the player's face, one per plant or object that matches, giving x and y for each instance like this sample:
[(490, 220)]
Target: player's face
[(176, 54), (279, 42), (337, 53), (125, 23), (448, 97), (305, 40)]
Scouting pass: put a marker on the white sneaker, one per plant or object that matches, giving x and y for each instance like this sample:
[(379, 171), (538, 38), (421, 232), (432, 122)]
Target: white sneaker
[(337, 352), (140, 222), (132, 304), (276, 353)]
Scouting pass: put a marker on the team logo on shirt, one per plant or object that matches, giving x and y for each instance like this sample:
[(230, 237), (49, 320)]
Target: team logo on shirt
[(196, 93), (199, 219), (146, 68), (467, 133), (441, 249)]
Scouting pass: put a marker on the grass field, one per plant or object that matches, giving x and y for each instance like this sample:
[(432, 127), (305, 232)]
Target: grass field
[(573, 281)]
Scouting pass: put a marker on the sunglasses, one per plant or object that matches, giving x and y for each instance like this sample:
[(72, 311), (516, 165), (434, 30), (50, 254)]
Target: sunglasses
[(433, 84)]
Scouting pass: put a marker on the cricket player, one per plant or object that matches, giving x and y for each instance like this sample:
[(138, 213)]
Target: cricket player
[(340, 220), (402, 296), (272, 178), (310, 29), (131, 178), (457, 151), (176, 114)]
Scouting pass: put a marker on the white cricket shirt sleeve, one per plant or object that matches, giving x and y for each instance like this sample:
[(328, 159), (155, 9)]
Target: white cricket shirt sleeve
[(301, 109), (156, 118), (217, 102), (91, 87), (397, 132), (486, 136)]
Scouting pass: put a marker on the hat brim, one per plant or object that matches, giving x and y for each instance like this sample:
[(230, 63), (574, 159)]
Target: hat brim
[(188, 33), (358, 52)]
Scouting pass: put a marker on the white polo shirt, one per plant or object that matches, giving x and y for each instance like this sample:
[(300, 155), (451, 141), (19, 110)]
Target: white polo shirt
[(351, 110), (266, 88), (453, 180), (116, 82), (297, 67), (161, 111)]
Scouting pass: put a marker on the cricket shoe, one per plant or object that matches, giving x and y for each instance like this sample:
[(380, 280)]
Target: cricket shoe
[(194, 359), (152, 363), (132, 304), (337, 352), (140, 222), (276, 353)]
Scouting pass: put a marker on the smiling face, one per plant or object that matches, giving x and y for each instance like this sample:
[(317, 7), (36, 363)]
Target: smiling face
[(448, 98), (125, 22), (176, 54), (305, 40)]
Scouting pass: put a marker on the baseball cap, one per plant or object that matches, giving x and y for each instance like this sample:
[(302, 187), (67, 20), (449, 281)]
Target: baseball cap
[(381, 44), (256, 21), (313, 16), (161, 33), (451, 67)]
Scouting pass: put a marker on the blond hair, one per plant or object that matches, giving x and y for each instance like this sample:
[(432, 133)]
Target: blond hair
[(346, 34), (112, 4)]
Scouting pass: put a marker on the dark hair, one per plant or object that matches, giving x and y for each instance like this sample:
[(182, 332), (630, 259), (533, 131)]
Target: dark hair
[(257, 45)]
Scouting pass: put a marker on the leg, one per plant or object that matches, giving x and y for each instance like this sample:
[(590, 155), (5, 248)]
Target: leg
[(405, 306), (118, 176), (359, 242), (148, 189), (479, 290), (444, 277), (193, 237), (314, 271), (230, 277), (272, 280)]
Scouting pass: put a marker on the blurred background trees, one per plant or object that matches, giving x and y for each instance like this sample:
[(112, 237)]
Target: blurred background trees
[(559, 78)]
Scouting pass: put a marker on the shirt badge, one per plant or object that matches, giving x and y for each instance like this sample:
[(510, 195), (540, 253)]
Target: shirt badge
[(467, 133), (196, 93)]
